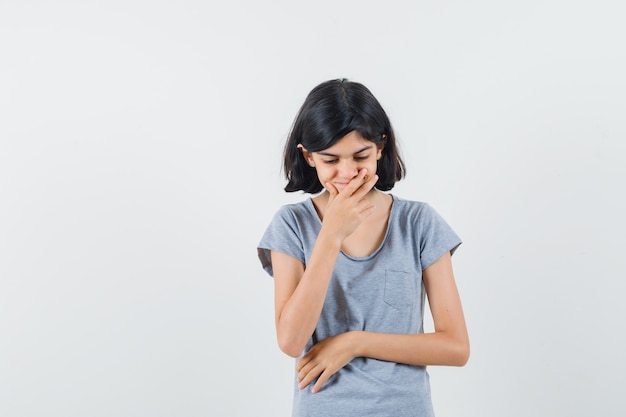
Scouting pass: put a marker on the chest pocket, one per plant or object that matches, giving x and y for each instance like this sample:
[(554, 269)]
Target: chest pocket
[(400, 289)]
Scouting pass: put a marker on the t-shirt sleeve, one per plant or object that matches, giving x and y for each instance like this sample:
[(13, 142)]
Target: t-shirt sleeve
[(282, 235), (436, 237)]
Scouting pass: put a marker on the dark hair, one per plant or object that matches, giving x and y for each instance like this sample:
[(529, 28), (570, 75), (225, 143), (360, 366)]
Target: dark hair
[(332, 110)]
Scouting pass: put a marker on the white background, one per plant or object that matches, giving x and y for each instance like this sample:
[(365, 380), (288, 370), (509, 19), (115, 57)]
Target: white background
[(140, 161)]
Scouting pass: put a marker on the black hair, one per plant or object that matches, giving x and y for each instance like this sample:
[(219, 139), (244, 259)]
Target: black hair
[(332, 110)]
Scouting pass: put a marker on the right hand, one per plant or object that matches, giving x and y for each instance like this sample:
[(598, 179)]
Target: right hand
[(347, 209)]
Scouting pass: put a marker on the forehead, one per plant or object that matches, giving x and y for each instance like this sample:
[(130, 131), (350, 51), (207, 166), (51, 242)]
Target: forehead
[(351, 143)]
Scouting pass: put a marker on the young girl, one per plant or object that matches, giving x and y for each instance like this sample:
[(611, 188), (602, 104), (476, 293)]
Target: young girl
[(353, 264)]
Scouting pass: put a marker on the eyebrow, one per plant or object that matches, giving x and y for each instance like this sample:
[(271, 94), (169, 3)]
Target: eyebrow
[(357, 152)]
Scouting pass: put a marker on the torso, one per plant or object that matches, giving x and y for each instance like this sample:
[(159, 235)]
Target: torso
[(370, 234), (381, 293)]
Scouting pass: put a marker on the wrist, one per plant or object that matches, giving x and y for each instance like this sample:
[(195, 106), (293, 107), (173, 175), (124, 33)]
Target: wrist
[(356, 343), (329, 238)]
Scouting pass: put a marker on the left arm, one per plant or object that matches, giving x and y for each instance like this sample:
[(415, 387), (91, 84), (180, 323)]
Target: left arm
[(447, 345)]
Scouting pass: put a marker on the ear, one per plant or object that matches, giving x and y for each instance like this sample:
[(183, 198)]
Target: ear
[(379, 151), (308, 157)]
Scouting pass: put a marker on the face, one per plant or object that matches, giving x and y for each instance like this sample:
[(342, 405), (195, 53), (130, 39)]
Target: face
[(340, 163)]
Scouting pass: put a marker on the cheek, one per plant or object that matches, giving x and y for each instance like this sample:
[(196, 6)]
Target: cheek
[(323, 173), (371, 166)]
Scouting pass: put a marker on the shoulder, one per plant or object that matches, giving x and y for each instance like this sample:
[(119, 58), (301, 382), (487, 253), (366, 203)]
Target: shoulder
[(433, 233), (412, 210), (294, 211), (294, 218), (418, 215)]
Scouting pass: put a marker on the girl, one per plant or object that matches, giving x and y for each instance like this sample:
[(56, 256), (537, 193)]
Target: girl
[(353, 264)]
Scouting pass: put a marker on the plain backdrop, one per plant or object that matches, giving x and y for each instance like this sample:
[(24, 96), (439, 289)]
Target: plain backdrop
[(140, 153)]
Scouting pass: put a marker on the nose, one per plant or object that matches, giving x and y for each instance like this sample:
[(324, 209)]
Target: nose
[(348, 169)]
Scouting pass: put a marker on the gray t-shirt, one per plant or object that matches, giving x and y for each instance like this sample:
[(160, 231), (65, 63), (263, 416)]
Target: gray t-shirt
[(382, 293)]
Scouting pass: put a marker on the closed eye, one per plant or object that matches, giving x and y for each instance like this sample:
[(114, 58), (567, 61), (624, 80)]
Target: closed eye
[(357, 155), (356, 158)]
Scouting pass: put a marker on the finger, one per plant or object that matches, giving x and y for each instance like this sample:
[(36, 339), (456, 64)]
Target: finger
[(307, 368), (304, 370), (356, 182), (321, 380), (302, 362), (331, 189), (364, 206), (310, 376), (366, 212), (365, 187)]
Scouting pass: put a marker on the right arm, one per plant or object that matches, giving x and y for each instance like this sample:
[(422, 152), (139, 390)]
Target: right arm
[(299, 291)]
